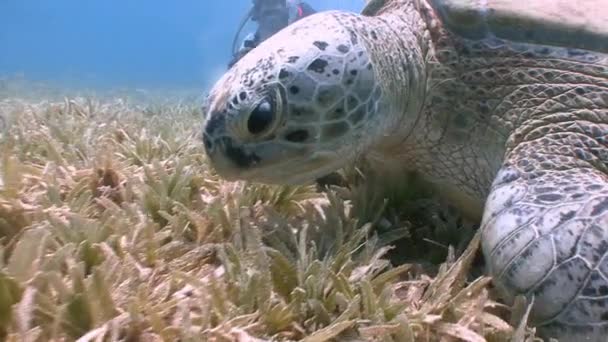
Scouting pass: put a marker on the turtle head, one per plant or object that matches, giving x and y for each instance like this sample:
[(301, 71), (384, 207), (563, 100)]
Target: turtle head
[(297, 107)]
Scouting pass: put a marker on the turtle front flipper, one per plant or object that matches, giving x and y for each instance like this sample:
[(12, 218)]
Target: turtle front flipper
[(545, 232)]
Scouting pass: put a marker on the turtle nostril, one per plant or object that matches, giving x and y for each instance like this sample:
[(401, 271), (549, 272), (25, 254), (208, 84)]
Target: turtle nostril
[(261, 118)]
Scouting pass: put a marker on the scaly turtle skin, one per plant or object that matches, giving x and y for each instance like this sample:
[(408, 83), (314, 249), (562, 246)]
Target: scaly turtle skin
[(499, 103)]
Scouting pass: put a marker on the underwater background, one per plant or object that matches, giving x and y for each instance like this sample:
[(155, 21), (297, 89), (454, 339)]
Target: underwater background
[(114, 225), (150, 44)]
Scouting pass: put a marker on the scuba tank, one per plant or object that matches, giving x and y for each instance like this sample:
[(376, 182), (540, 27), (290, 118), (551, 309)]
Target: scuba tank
[(244, 21)]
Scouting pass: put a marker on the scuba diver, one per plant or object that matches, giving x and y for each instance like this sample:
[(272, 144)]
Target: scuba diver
[(271, 16)]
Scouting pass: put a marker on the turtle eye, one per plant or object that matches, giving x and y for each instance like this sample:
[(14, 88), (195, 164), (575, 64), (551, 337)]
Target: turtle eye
[(260, 118)]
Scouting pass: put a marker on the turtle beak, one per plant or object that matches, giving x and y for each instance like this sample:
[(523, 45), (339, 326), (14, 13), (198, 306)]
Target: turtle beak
[(229, 159), (218, 160), (215, 147)]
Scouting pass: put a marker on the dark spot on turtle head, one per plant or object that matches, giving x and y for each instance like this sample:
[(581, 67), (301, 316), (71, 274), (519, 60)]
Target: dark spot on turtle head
[(283, 74), (318, 65), (353, 72), (602, 290), (216, 120), (595, 276), (243, 96), (581, 154), (600, 207), (578, 195), (580, 90), (299, 135), (545, 189), (292, 59), (234, 100), (294, 89), (508, 176), (373, 34), (353, 37), (335, 71), (343, 48), (320, 45), (567, 216), (238, 156), (550, 197)]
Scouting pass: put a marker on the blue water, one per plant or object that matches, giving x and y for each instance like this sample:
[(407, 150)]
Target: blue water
[(132, 43)]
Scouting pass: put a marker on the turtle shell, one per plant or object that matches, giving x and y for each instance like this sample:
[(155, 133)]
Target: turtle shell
[(581, 24)]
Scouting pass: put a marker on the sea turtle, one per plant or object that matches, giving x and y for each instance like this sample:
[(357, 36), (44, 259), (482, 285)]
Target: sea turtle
[(502, 104)]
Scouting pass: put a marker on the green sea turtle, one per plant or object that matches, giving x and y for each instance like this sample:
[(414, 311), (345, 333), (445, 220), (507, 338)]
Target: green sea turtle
[(502, 104)]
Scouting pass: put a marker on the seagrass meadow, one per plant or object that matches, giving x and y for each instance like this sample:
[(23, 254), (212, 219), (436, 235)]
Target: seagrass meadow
[(114, 228)]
